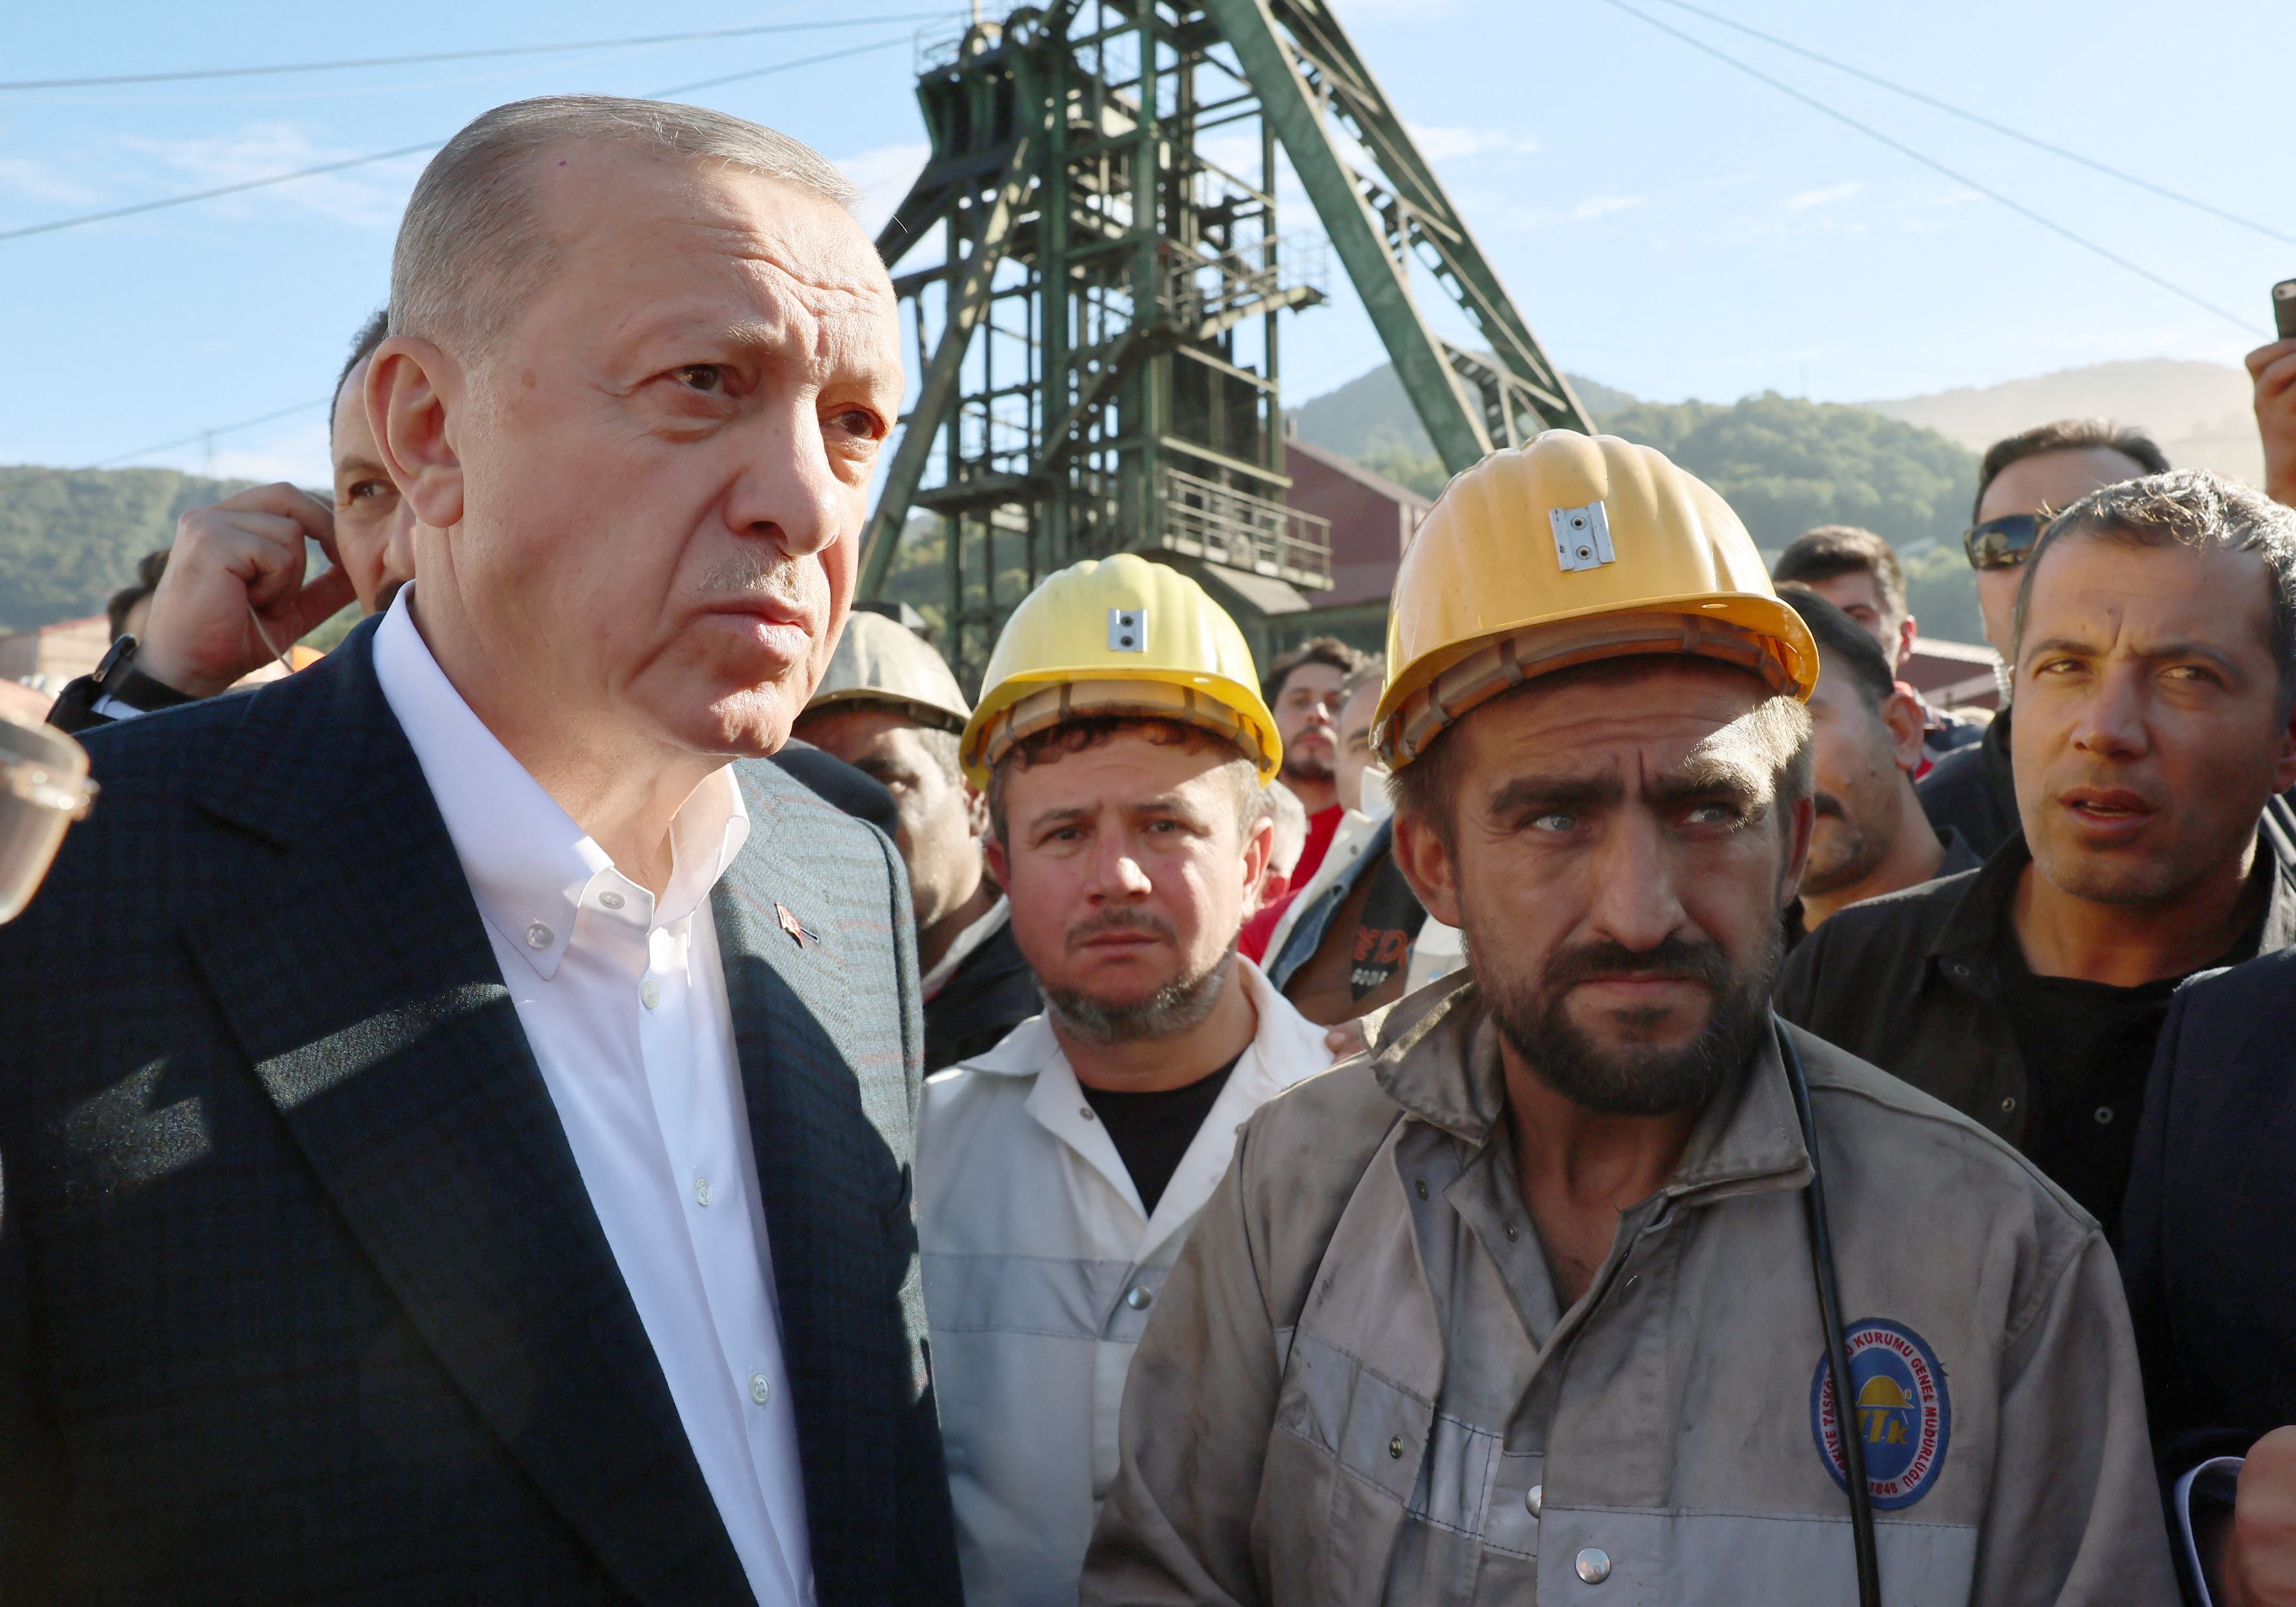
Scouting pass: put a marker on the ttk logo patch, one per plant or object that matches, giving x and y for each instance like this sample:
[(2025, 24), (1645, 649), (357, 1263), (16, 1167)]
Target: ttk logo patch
[(1900, 1412)]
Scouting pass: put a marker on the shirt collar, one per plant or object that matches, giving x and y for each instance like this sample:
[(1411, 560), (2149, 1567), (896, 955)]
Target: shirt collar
[(530, 864), (1443, 1067)]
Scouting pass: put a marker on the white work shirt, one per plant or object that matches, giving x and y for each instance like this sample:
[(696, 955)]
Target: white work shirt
[(623, 1002), (1040, 1270)]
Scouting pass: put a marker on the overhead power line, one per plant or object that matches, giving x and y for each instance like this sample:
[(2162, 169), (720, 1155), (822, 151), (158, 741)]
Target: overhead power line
[(203, 435), (383, 156), (1930, 162), (2018, 134), (461, 55)]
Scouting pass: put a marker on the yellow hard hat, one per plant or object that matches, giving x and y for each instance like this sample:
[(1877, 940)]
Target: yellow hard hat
[(883, 663), (1125, 637), (1565, 550)]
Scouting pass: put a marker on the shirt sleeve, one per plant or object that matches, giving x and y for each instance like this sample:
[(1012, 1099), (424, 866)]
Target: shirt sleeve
[(2076, 1515)]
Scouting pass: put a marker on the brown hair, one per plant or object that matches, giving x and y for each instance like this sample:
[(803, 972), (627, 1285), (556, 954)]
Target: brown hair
[(1832, 550), (1314, 650), (1053, 742)]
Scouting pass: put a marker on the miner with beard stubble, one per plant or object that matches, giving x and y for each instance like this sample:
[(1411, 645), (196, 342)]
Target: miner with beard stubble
[(1125, 751), (1302, 690), (1523, 1303), (1867, 731)]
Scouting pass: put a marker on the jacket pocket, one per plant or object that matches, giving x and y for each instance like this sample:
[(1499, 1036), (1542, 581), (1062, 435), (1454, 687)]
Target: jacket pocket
[(1340, 1473)]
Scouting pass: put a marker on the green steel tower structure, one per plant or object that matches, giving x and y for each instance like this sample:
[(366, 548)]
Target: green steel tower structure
[(1097, 330)]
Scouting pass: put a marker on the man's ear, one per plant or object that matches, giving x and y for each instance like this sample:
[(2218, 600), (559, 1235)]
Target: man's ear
[(992, 849), (2283, 773), (1800, 825), (1427, 866), (1259, 849), (1910, 631), (976, 811), (1901, 714), (411, 387)]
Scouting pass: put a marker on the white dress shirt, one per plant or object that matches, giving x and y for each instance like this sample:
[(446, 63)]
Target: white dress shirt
[(623, 1001)]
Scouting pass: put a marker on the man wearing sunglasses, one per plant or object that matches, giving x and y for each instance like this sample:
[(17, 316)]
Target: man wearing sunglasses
[(2022, 480)]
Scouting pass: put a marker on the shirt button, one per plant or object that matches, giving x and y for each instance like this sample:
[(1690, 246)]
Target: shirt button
[(1593, 1565), (2104, 1116), (1137, 1297), (611, 900), (701, 1189), (761, 1388), (537, 936), (1419, 1187), (1509, 1231), (1534, 1498), (648, 993), (1086, 1111)]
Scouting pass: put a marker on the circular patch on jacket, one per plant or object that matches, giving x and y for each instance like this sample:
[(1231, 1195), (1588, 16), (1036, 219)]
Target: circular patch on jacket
[(1902, 1414)]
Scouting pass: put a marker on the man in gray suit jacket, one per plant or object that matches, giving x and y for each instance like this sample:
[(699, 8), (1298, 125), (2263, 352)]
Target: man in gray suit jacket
[(455, 1103)]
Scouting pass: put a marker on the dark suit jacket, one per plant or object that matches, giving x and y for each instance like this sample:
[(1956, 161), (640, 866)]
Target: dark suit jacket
[(2206, 1246), (301, 1295)]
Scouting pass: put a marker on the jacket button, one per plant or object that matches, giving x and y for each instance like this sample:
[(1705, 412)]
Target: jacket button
[(2008, 1105), (1137, 1297), (1394, 1447), (1534, 1498), (2104, 1116), (1593, 1565), (1419, 1187)]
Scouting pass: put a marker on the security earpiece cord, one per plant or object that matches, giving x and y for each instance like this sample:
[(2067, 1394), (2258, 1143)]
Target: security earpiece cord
[(1837, 1342), (264, 636)]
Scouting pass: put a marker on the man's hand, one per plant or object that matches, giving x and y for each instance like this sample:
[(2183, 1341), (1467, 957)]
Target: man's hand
[(2259, 1554), (2274, 369), (245, 550)]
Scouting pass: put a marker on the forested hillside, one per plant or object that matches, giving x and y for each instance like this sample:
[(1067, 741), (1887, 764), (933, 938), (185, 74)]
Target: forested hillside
[(69, 537), (1785, 464)]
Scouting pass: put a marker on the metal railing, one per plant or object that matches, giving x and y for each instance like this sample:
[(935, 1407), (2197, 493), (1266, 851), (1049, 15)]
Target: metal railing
[(1203, 519)]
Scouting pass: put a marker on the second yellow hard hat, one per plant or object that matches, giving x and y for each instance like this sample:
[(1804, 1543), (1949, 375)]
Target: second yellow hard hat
[(1564, 550)]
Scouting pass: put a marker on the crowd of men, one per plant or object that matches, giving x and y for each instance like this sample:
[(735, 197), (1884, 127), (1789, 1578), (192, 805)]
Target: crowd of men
[(624, 1082)]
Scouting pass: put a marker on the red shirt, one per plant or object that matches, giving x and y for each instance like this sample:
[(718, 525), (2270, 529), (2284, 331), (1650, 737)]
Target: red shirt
[(1321, 827)]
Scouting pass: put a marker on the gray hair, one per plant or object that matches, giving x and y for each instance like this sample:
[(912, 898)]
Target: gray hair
[(1281, 805), (474, 246), (2193, 508)]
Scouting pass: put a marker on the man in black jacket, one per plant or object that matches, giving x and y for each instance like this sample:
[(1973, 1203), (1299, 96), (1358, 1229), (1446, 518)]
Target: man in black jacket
[(2156, 636), (2023, 480), (456, 1101)]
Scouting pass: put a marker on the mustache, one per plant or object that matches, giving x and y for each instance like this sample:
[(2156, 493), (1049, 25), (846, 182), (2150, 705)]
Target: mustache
[(1118, 921), (1679, 959), (749, 573)]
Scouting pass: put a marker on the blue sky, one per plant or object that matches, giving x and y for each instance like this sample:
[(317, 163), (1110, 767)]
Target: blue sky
[(1666, 224)]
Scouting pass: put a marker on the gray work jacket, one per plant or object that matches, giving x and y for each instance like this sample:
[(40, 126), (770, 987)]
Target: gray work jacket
[(1356, 1386)]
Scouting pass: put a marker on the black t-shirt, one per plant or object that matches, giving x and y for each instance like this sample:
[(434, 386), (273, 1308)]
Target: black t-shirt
[(1152, 1131), (2088, 1047)]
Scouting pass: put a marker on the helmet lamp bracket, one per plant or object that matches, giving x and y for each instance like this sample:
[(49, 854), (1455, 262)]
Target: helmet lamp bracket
[(1582, 537)]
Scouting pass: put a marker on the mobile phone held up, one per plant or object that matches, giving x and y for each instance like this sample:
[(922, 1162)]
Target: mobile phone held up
[(2284, 309)]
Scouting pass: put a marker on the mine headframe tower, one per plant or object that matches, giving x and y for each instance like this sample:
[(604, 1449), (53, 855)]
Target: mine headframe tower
[(1098, 339)]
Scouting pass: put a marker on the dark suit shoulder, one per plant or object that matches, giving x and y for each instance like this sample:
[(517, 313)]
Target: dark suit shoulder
[(1885, 927), (1838, 980), (2218, 1012)]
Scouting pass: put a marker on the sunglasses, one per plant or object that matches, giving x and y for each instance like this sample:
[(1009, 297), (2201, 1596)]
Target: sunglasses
[(2002, 543)]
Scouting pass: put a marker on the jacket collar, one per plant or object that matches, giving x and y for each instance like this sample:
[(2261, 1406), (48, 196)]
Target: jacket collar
[(1967, 946), (1441, 1063)]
